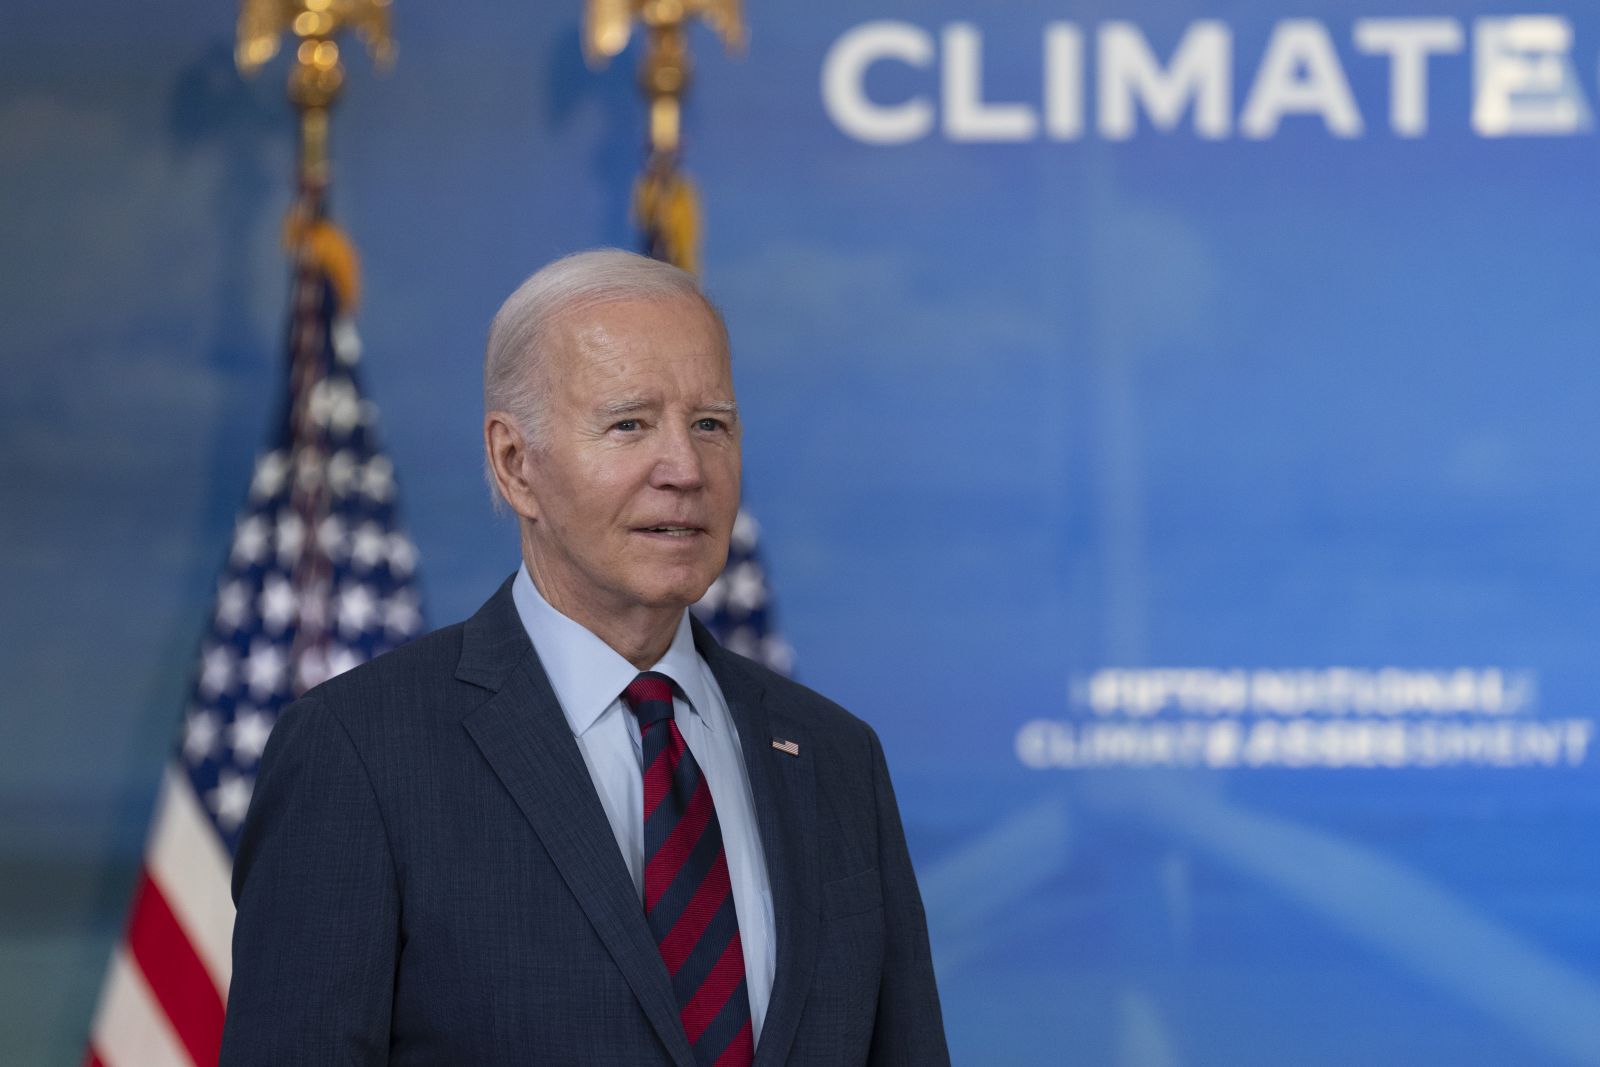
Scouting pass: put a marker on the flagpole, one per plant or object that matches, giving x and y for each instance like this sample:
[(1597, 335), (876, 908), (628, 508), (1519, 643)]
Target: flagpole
[(318, 248), (665, 202)]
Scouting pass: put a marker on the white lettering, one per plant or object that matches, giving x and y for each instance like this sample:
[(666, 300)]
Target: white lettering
[(1305, 744), (844, 72), (1408, 43), (1579, 733), (1033, 744), (1201, 70), (1063, 81), (1300, 74), (1523, 81), (966, 116)]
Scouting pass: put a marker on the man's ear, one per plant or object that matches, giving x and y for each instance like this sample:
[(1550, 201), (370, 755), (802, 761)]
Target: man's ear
[(509, 461)]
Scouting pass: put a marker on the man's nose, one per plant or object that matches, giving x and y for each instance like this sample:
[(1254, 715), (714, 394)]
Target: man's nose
[(678, 463)]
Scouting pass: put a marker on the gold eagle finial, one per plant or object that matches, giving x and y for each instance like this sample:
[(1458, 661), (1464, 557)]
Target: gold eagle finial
[(607, 24), (318, 75), (263, 22)]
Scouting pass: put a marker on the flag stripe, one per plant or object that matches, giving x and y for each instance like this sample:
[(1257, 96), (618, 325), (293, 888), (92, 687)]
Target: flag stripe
[(187, 861), (130, 1029), (175, 974)]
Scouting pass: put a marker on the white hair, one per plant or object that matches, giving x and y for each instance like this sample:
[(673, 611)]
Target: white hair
[(514, 380)]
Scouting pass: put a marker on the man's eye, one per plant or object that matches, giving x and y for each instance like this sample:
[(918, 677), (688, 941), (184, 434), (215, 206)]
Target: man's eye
[(627, 425), (709, 425)]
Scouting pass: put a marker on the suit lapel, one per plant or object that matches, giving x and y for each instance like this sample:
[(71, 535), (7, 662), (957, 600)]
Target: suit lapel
[(784, 789), (526, 740)]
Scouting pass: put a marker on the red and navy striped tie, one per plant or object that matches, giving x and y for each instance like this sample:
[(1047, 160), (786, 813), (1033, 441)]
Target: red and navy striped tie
[(688, 900)]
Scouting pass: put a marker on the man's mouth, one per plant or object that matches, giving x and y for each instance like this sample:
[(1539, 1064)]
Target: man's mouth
[(671, 531)]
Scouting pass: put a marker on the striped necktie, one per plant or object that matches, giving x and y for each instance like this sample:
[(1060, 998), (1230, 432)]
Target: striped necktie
[(688, 900)]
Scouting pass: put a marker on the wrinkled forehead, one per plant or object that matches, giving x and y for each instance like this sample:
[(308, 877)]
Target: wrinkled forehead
[(601, 312), (681, 335)]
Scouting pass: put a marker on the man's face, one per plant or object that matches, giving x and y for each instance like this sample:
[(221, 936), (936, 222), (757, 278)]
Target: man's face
[(635, 472)]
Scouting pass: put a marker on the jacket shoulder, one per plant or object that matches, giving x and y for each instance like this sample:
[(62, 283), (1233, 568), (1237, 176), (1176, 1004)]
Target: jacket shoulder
[(419, 674)]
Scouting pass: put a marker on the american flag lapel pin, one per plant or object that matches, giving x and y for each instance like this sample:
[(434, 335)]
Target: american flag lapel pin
[(788, 748)]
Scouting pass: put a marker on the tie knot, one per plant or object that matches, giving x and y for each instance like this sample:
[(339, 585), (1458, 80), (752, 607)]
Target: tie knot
[(649, 697)]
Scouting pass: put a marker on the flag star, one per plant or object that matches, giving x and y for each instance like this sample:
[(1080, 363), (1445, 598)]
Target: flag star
[(265, 668), (377, 478), (319, 401), (402, 555), (330, 537), (347, 410), (369, 547), (745, 532), (708, 604), (312, 669), (230, 799), (356, 609), (233, 605), (342, 472), (742, 640), (250, 539), (747, 587), (272, 470), (216, 670), (278, 603), (342, 659), (200, 731), (777, 654), (401, 616), (248, 734), (291, 537), (335, 405), (346, 341), (308, 466)]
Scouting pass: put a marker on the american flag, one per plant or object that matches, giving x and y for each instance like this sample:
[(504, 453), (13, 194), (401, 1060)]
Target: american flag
[(737, 608), (319, 578)]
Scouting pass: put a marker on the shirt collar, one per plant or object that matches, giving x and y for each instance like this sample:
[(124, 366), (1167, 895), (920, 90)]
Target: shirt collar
[(587, 674)]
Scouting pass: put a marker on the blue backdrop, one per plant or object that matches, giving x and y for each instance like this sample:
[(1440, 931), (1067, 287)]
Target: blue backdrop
[(1172, 427)]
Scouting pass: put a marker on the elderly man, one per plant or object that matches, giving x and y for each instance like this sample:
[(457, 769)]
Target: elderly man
[(573, 829)]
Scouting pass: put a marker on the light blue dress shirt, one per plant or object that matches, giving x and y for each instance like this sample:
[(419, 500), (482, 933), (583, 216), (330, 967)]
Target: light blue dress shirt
[(588, 677)]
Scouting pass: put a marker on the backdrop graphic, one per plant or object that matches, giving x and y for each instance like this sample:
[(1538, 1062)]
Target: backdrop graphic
[(1172, 427)]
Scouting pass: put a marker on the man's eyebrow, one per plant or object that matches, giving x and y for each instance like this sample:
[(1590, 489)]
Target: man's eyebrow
[(625, 406), (629, 405)]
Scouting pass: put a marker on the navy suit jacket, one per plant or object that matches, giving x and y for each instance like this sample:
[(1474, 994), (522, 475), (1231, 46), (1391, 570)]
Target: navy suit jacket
[(426, 876)]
